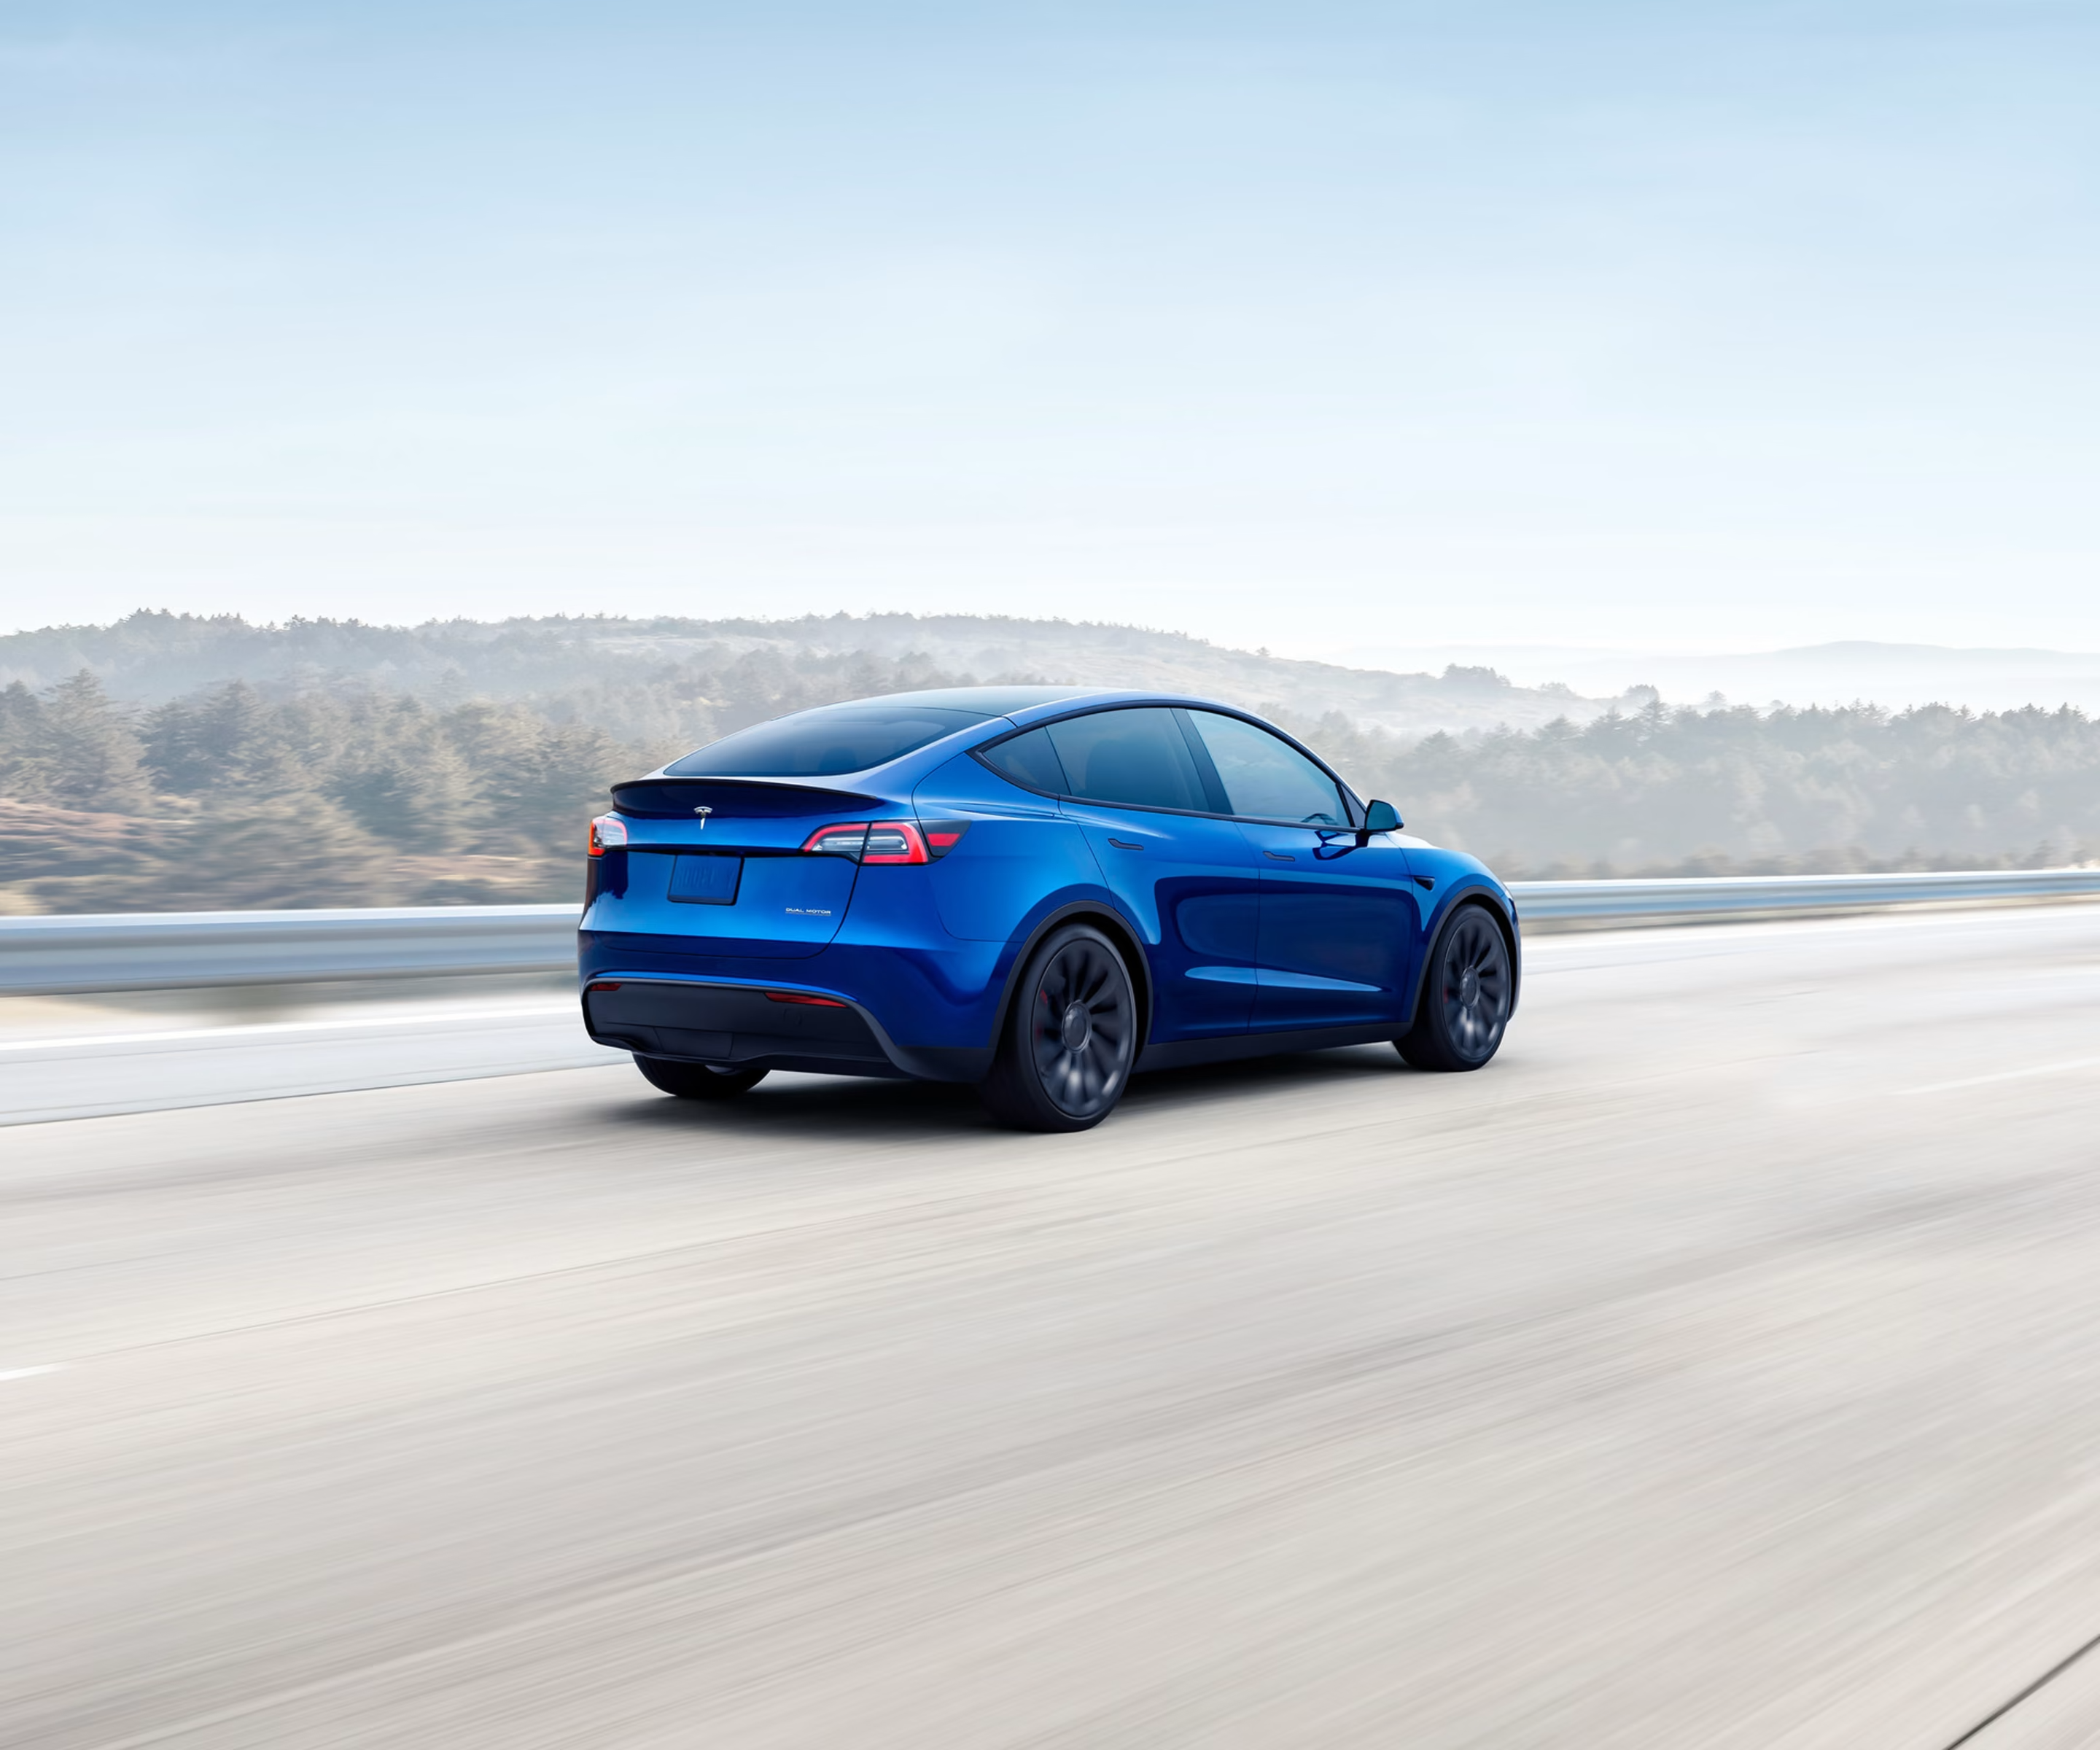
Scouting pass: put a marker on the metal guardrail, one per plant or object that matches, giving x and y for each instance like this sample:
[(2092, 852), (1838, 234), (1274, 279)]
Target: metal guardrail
[(197, 949), (179, 950), (1696, 895)]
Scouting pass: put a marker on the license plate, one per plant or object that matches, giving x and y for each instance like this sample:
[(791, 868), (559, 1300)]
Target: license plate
[(706, 881)]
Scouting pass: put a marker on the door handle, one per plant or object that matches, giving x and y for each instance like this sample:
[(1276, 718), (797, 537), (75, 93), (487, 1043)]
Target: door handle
[(1128, 844), (1282, 856)]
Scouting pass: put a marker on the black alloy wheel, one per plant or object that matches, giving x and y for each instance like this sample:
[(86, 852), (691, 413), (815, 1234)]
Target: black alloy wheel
[(1466, 999), (1071, 1037), (697, 1081)]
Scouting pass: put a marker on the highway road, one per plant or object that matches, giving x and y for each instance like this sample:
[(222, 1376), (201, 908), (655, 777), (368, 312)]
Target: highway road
[(1721, 1368), (153, 1064)]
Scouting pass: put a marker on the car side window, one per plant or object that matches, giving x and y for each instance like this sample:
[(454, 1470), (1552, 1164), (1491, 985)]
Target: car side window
[(1136, 757), (1266, 778), (1030, 760)]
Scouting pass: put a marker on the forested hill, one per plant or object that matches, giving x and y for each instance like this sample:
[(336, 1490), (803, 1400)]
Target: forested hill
[(340, 791), (673, 679), (1736, 791)]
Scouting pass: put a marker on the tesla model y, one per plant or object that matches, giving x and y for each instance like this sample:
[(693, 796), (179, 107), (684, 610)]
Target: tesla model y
[(1039, 890)]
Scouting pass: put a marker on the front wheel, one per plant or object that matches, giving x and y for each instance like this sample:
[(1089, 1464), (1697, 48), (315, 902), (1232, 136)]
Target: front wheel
[(697, 1081), (1466, 998), (1066, 1052)]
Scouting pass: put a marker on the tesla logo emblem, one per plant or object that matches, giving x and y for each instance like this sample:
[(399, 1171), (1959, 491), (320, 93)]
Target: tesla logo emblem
[(703, 811)]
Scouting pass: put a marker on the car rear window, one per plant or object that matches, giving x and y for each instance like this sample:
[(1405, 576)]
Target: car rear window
[(1030, 760), (825, 741)]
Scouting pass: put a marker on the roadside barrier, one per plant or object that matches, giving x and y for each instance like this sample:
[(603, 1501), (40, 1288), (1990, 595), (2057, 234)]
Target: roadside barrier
[(179, 950), (1700, 897), (197, 949)]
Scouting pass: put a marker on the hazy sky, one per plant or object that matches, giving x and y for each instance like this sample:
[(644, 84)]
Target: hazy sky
[(1723, 325)]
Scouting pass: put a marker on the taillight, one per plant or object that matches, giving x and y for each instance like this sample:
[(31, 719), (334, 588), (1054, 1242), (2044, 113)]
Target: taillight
[(942, 836), (895, 841), (881, 841), (837, 841), (608, 832)]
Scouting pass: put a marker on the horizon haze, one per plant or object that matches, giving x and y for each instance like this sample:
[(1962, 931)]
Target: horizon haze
[(155, 655), (1626, 326)]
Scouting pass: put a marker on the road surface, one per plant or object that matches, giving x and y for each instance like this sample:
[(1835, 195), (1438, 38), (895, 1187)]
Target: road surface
[(1721, 1368)]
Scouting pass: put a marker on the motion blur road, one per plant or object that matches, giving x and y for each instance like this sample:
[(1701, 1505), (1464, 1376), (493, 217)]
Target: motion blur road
[(1720, 1368)]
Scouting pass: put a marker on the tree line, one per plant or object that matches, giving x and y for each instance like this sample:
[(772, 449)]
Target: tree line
[(342, 794), (1738, 791), (338, 794)]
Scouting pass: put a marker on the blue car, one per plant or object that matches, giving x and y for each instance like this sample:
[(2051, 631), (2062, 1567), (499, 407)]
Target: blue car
[(1038, 890)]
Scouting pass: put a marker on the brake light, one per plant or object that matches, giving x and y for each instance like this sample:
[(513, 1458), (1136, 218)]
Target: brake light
[(882, 841), (804, 998), (608, 832), (895, 841)]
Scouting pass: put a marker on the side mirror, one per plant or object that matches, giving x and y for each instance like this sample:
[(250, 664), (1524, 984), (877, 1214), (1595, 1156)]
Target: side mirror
[(1382, 816)]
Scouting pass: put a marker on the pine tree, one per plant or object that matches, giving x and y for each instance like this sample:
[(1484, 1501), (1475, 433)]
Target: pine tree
[(91, 756), (24, 767)]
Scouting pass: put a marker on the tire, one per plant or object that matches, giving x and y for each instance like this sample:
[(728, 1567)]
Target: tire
[(1070, 1037), (1465, 997), (697, 1081)]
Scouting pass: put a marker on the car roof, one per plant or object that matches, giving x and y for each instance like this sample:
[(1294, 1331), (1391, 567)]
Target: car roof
[(1019, 706), (1068, 702)]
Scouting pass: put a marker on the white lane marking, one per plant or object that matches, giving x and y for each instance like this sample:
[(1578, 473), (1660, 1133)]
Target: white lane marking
[(31, 1372), (146, 1035), (2007, 1075)]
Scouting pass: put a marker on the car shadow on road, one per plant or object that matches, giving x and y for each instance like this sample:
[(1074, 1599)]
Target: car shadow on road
[(1259, 1077), (827, 1108)]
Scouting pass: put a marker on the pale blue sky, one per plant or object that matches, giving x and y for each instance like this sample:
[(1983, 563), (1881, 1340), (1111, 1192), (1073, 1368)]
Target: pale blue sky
[(1721, 326)]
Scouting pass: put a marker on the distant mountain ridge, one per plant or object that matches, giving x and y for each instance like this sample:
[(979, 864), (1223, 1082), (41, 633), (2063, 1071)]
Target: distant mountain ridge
[(150, 657), (1892, 675), (1843, 671)]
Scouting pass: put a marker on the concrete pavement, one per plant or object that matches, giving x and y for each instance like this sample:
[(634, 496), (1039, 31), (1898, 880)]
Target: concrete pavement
[(1720, 1368)]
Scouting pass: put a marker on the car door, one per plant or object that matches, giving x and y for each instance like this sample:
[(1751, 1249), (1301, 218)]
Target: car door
[(1339, 919), (1132, 782)]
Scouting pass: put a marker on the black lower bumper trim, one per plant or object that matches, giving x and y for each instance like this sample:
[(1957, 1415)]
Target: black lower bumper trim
[(722, 1023), (736, 1024)]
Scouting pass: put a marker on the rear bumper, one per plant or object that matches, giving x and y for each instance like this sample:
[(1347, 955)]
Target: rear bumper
[(712, 1021)]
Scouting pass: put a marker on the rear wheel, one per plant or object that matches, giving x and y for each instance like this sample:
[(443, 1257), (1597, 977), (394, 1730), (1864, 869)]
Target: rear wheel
[(1070, 1037), (1466, 998), (697, 1081)]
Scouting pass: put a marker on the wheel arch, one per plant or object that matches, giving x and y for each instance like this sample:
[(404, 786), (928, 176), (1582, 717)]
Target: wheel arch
[(1111, 924), (1483, 898)]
